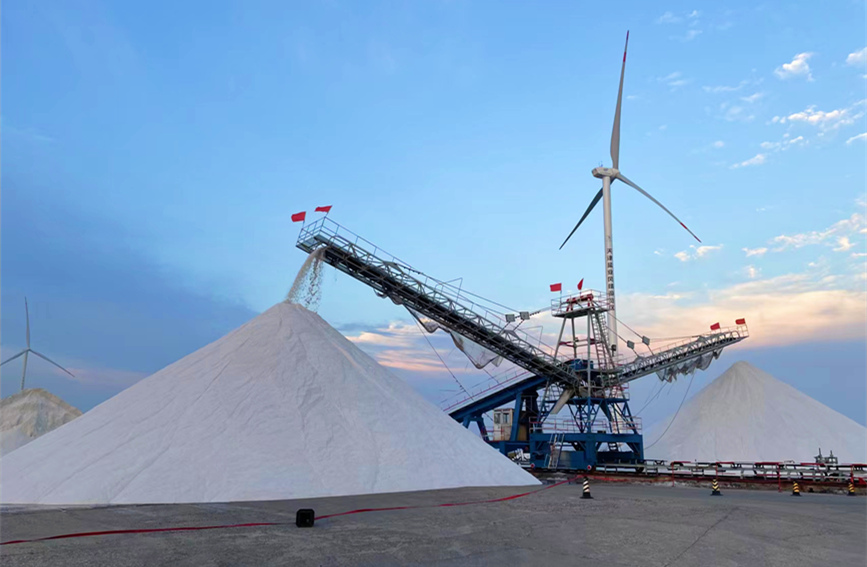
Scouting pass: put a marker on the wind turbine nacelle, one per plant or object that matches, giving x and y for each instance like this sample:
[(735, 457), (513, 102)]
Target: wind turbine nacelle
[(609, 172)]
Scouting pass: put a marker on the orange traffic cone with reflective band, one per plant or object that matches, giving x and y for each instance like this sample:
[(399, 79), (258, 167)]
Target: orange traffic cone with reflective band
[(796, 490)]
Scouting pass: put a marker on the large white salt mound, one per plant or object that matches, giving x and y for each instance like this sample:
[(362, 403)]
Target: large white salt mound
[(282, 407), (748, 415), (29, 414)]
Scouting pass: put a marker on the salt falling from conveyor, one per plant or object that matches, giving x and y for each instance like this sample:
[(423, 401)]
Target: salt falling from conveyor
[(748, 415), (282, 407)]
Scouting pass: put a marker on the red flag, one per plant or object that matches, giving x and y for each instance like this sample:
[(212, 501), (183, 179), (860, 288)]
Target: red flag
[(323, 209), (714, 327), (557, 287), (298, 217), (580, 284), (741, 322)]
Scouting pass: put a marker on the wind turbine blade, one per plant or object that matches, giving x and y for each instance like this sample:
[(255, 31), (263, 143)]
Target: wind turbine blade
[(24, 369), (27, 317), (587, 212), (14, 357), (646, 194), (615, 132), (43, 357)]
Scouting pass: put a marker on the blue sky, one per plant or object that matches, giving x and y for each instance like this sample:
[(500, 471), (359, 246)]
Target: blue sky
[(152, 156)]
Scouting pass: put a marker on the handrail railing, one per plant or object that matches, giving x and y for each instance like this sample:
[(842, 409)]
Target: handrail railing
[(483, 321), (451, 309)]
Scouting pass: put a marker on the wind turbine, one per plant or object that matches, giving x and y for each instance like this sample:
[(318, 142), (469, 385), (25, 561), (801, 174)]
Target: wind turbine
[(608, 175), (28, 350)]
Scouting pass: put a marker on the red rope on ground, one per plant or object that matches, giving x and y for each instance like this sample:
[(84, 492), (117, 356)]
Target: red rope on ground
[(503, 499), (359, 511), (142, 531)]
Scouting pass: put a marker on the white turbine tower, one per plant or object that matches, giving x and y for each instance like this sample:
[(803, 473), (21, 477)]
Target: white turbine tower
[(28, 350), (607, 175)]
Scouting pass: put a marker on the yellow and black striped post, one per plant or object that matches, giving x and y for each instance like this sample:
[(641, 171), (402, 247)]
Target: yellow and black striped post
[(586, 489), (796, 490), (715, 486), (851, 491)]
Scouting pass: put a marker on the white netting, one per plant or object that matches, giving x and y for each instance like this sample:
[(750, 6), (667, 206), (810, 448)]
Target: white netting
[(478, 355), (688, 367)]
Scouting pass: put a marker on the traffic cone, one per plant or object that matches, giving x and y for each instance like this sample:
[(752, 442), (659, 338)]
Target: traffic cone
[(715, 486), (851, 488), (796, 490), (586, 489)]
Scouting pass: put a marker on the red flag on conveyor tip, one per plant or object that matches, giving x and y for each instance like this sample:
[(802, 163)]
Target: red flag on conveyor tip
[(299, 217), (580, 284), (741, 322), (323, 209), (714, 327), (557, 287)]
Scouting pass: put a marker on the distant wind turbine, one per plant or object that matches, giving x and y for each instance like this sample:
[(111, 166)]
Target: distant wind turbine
[(608, 175), (28, 350)]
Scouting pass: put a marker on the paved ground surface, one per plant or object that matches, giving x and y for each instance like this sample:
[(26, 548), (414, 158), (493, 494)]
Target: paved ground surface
[(622, 525)]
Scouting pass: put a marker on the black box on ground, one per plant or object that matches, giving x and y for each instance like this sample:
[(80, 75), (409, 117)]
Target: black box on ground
[(304, 518)]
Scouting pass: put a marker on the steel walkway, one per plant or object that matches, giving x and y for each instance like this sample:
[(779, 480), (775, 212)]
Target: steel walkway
[(455, 310)]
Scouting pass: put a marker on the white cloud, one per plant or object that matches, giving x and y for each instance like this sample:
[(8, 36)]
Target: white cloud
[(858, 58), (401, 345), (755, 251), (752, 98), (824, 120), (28, 134), (752, 272), (862, 136), (725, 89), (674, 80), (837, 234), (844, 245), (783, 144), (696, 252), (671, 18), (690, 35), (757, 159), (797, 68), (704, 250), (719, 144), (668, 18), (735, 113), (787, 309)]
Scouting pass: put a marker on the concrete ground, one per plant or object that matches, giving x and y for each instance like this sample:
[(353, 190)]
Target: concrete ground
[(622, 525)]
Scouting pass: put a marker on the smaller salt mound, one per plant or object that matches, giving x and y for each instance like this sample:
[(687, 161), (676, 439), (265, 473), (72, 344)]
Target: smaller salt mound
[(748, 415), (29, 414)]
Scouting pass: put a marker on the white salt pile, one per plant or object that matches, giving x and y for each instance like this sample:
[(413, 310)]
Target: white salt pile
[(282, 407), (748, 415), (29, 414)]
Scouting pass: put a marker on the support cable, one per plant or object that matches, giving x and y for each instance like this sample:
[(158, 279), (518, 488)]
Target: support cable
[(675, 413), (653, 397), (439, 357)]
